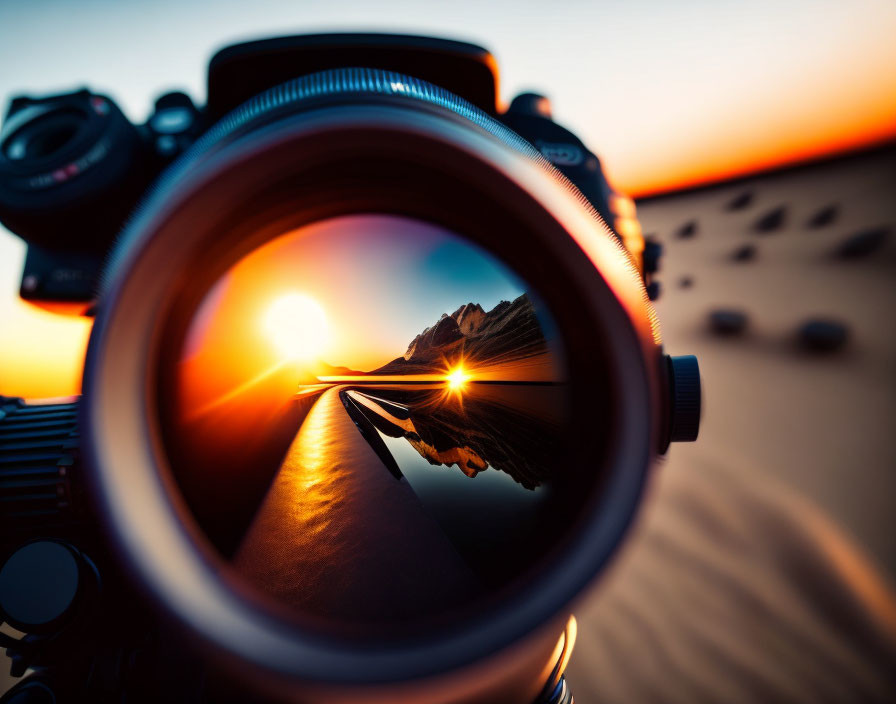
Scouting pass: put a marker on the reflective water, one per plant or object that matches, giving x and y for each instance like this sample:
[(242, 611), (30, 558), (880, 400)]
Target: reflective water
[(397, 502), (480, 460)]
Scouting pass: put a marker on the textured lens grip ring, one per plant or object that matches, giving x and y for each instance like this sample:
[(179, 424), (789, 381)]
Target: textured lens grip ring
[(38, 462), (686, 398), (361, 82)]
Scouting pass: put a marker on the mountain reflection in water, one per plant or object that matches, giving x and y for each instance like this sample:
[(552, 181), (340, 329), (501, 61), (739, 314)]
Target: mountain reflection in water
[(513, 429), (439, 495), (480, 461)]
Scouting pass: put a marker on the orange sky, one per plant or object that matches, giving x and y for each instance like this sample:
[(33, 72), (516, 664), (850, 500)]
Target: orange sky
[(669, 94), (379, 281), (829, 112), (41, 353)]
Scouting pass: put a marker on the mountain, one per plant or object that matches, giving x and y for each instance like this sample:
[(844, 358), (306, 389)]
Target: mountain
[(444, 333), (469, 317), (507, 333), (321, 368)]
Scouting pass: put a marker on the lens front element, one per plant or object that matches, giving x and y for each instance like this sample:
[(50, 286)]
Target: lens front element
[(369, 418)]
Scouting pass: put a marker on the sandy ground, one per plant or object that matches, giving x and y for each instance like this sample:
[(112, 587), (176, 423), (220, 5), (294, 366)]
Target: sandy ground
[(824, 424), (791, 484)]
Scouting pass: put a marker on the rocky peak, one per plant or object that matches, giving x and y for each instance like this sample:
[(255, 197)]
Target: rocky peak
[(508, 331), (500, 309), (413, 346), (444, 332), (469, 318)]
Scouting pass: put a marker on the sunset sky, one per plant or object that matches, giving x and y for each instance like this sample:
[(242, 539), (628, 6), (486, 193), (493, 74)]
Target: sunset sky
[(373, 282), (379, 281), (669, 94)]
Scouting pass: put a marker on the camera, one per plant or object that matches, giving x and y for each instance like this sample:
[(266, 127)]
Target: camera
[(372, 393)]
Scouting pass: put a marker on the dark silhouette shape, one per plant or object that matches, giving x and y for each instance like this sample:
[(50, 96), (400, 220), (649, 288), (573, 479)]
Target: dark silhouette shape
[(862, 243), (507, 333), (652, 255), (770, 222), (462, 444), (324, 369), (728, 322), (821, 335), (474, 433), (744, 200), (824, 217), (745, 253), (687, 231)]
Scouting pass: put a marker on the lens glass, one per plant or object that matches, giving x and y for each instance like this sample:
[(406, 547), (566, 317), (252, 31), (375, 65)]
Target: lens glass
[(369, 421), (44, 136)]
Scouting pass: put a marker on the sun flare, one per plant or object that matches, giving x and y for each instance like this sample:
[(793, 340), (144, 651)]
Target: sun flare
[(457, 378), (297, 327)]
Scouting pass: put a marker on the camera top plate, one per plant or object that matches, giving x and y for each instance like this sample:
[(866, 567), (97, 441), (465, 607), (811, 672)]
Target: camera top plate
[(238, 72)]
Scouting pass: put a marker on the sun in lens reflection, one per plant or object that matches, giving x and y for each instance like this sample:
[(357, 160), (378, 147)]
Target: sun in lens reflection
[(457, 379), (297, 327)]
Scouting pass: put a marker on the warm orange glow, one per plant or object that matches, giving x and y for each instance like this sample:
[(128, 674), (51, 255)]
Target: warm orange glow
[(457, 378), (297, 326), (41, 353), (238, 393), (828, 113)]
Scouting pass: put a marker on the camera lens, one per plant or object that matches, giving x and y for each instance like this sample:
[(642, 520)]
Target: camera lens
[(371, 395), (368, 419), (43, 136), (71, 167)]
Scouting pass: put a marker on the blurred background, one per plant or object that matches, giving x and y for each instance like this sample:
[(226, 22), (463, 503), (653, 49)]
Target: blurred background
[(757, 139)]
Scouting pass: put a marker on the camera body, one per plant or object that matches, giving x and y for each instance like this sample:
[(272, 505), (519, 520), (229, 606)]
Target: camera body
[(73, 168), (72, 171)]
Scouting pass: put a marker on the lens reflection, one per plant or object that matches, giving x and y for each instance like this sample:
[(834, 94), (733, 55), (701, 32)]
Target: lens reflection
[(369, 419)]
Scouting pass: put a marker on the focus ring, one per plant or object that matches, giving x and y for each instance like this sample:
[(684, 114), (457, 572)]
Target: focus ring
[(294, 94)]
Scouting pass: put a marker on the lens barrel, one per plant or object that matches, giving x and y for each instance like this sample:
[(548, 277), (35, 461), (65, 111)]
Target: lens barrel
[(337, 144), (71, 167)]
